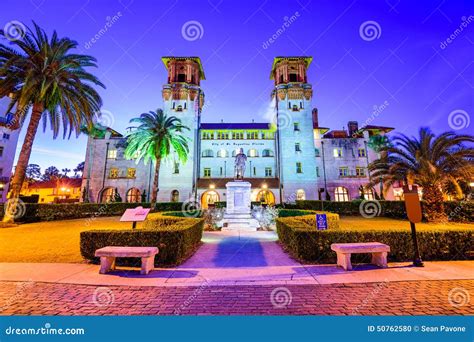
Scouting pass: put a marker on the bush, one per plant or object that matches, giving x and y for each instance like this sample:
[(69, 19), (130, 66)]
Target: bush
[(304, 242), (176, 238), (191, 214)]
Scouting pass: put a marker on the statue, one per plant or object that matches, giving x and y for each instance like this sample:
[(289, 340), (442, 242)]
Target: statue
[(239, 166)]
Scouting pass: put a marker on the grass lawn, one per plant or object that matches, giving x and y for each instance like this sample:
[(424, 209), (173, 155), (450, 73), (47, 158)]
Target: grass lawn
[(58, 241)]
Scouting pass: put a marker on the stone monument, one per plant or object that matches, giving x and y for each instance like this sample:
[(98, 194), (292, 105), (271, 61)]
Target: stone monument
[(238, 214)]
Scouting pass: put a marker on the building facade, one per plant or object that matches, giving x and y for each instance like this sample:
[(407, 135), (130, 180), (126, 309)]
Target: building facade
[(291, 158)]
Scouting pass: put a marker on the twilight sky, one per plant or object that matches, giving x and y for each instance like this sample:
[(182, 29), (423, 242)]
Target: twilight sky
[(401, 63)]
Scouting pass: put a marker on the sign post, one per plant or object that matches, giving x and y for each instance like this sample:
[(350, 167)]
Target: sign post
[(321, 221), (135, 215), (413, 209)]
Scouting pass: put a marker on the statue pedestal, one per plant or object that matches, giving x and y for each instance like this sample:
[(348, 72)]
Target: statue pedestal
[(237, 214)]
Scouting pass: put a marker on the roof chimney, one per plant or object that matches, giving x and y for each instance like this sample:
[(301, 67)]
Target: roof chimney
[(353, 127), (315, 118)]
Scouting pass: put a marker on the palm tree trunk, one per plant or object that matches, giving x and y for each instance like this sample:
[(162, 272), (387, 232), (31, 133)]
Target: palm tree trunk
[(155, 182), (433, 203), (24, 157)]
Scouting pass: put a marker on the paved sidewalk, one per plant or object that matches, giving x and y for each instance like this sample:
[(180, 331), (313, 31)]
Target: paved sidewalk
[(233, 258)]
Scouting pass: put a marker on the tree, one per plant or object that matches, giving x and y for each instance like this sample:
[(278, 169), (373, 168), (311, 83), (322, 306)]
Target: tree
[(433, 162), (156, 137), (79, 169), (50, 173), (42, 74), (32, 173), (65, 171)]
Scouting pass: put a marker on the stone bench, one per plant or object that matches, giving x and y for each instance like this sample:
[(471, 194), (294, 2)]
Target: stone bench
[(344, 250), (108, 254)]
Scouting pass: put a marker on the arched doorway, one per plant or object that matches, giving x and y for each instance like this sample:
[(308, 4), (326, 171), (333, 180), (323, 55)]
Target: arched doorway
[(266, 197), (341, 194), (175, 196), (133, 195), (209, 197), (109, 195)]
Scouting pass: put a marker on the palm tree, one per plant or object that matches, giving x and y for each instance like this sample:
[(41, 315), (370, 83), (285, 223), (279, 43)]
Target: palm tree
[(432, 162), (43, 74), (157, 137)]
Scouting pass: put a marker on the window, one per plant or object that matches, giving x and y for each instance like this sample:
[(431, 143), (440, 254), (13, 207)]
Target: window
[(299, 167), (268, 135), (297, 147), (267, 153), (337, 152), (268, 172), (237, 135), (360, 171), (253, 135), (175, 196), (112, 154), (179, 108), (316, 152), (253, 153), (176, 167), (300, 195), (181, 77), (6, 136), (207, 153), (254, 171), (296, 126), (1, 172), (221, 172), (1, 151), (133, 195), (362, 152), (368, 193), (235, 152), (317, 171), (207, 135), (131, 172), (223, 135), (113, 173), (343, 171), (341, 194), (293, 77), (109, 195), (222, 153), (207, 172)]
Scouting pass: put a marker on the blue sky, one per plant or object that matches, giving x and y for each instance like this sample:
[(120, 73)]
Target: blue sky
[(404, 67)]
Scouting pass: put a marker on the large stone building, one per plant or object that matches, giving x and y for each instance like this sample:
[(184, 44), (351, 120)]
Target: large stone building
[(289, 159)]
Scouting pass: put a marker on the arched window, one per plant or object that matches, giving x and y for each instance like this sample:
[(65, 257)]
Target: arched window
[(207, 153), (300, 195), (222, 153), (267, 153), (209, 197), (133, 195), (265, 197), (368, 193), (341, 194), (109, 195), (235, 152), (175, 196), (252, 153)]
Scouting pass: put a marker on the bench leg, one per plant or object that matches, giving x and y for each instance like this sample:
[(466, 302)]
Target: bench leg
[(344, 260), (106, 264), (147, 264), (380, 259)]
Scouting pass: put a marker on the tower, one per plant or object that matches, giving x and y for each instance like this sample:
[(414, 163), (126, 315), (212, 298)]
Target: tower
[(295, 141), (183, 98)]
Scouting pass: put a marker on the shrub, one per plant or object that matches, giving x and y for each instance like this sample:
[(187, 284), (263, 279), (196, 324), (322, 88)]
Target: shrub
[(176, 238), (189, 214), (304, 242)]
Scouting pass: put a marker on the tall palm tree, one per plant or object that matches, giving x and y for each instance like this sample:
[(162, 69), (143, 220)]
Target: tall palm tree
[(156, 137), (432, 162), (44, 75)]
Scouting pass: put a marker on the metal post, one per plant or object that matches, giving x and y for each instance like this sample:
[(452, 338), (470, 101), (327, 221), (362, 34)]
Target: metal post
[(416, 258), (134, 224)]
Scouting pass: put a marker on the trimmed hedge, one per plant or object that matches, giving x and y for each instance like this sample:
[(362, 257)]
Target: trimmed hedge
[(308, 217), (176, 238), (304, 242)]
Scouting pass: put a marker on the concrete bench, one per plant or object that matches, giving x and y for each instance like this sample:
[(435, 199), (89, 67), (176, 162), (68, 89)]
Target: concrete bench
[(108, 254), (344, 250)]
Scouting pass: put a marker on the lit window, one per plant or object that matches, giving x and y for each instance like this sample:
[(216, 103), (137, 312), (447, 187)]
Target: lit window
[(268, 172), (343, 171), (296, 126), (268, 135), (253, 153), (222, 135), (300, 195), (222, 153), (112, 154), (131, 172), (362, 152), (341, 194), (207, 172), (337, 152), (368, 193), (360, 171), (207, 135), (297, 147), (299, 167), (113, 173)]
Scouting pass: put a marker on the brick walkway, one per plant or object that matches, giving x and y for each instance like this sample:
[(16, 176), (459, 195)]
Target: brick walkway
[(395, 298)]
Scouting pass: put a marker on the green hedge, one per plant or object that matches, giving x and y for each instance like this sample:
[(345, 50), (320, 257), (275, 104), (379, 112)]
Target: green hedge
[(176, 238), (304, 242), (456, 211), (189, 214), (308, 217)]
